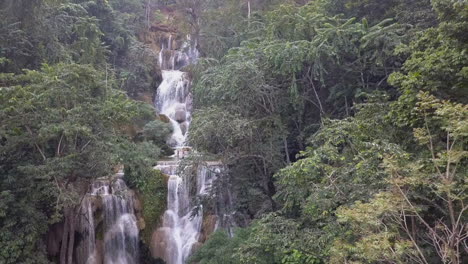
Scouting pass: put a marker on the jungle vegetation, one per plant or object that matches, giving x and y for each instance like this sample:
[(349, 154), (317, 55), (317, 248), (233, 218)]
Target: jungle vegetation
[(343, 123)]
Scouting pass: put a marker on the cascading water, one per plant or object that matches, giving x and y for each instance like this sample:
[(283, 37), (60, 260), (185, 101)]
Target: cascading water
[(182, 227), (108, 224), (172, 102), (173, 98), (180, 231)]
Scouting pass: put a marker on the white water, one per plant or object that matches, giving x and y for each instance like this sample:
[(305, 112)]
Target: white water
[(117, 223), (181, 229), (173, 98)]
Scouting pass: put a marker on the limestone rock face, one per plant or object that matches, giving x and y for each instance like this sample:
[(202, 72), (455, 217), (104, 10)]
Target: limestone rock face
[(138, 207), (99, 253), (209, 226), (158, 247)]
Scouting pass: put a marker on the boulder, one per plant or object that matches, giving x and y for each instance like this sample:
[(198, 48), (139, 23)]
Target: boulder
[(158, 246), (184, 127), (180, 115), (164, 118)]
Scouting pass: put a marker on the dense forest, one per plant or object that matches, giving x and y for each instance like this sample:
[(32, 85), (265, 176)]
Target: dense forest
[(342, 125)]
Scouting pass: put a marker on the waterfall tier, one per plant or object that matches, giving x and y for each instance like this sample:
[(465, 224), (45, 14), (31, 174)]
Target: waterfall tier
[(183, 227), (173, 98), (108, 225), (181, 230)]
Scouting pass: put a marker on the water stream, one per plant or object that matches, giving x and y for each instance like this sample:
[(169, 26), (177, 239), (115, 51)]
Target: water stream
[(108, 224), (107, 221), (173, 97), (183, 227), (180, 230)]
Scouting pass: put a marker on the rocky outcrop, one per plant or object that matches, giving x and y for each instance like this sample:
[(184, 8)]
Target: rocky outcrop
[(164, 118), (159, 243), (208, 227), (138, 207), (54, 239)]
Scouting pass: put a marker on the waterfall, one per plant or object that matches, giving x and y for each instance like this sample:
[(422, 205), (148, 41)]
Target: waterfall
[(108, 224), (180, 231), (183, 229), (173, 98)]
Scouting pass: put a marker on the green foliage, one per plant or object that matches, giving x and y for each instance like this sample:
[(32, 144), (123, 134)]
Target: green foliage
[(138, 160), (408, 221), (221, 248), (437, 64), (154, 195), (276, 239), (63, 121), (371, 187), (157, 132), (93, 32), (271, 92), (293, 98), (60, 129)]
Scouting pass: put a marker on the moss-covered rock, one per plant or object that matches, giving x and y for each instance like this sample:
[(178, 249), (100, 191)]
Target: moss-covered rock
[(153, 196), (164, 118)]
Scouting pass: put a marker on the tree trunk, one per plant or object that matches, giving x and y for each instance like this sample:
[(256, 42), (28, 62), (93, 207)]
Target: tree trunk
[(71, 236), (63, 248), (286, 150)]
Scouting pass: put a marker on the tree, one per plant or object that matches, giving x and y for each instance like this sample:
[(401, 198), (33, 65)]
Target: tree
[(61, 128)]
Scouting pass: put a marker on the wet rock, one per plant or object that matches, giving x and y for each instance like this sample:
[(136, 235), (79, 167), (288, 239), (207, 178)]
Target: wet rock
[(164, 118), (189, 102), (141, 223), (184, 127), (208, 227), (137, 204), (99, 251), (158, 247), (180, 115), (96, 204)]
